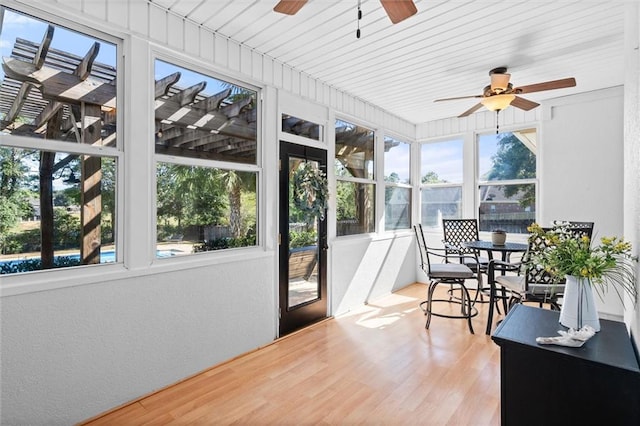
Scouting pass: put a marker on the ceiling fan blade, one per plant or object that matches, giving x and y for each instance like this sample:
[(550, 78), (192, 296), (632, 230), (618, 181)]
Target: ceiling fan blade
[(399, 10), (547, 85), (523, 103), (471, 110), (289, 7), (459, 97)]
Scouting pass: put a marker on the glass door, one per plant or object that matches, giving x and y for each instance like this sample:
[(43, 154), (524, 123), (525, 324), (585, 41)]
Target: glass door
[(303, 237)]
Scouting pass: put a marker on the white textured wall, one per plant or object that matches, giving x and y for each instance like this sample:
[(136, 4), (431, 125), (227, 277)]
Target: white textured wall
[(71, 353), (581, 153), (363, 269), (632, 148)]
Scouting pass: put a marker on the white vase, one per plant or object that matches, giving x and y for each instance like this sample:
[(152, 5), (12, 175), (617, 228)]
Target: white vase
[(578, 304)]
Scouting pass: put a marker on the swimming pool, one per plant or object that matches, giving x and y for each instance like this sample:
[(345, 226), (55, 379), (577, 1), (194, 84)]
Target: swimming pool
[(107, 256)]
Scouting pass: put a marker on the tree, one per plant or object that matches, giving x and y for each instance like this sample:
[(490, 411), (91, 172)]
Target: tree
[(14, 197), (235, 184), (514, 160), (432, 177), (190, 195)]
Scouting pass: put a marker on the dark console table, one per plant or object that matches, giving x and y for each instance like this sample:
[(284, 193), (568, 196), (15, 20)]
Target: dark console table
[(597, 384)]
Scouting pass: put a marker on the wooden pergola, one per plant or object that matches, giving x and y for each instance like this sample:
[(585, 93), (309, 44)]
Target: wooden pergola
[(55, 95)]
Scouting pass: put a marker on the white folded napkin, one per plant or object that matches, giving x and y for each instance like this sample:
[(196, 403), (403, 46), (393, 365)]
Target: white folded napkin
[(572, 338)]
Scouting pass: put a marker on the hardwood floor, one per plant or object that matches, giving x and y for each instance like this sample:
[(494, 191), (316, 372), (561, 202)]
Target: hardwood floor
[(375, 366)]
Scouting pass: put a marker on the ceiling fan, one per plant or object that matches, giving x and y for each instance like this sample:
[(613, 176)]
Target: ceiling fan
[(501, 93), (397, 10)]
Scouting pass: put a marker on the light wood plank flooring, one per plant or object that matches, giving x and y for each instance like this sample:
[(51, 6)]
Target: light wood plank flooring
[(375, 366)]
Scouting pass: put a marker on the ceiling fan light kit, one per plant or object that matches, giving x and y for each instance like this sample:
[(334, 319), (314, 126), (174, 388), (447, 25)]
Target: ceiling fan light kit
[(498, 102)]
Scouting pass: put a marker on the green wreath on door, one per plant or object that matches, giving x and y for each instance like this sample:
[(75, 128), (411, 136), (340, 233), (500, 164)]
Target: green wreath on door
[(310, 190)]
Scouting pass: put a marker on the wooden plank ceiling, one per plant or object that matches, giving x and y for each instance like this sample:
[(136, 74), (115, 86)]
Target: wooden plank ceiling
[(445, 50)]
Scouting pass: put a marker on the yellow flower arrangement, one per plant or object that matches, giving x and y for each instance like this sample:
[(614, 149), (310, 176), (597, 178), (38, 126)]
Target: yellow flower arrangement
[(569, 253)]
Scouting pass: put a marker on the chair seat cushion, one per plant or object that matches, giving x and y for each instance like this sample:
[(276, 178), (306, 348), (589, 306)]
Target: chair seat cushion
[(517, 284), (546, 289), (450, 270), (514, 283)]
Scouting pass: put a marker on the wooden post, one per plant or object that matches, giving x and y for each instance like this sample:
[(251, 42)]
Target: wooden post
[(90, 187), (46, 208), (47, 160)]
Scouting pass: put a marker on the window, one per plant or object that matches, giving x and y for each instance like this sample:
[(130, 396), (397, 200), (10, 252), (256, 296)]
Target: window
[(507, 180), (59, 153), (397, 178), (206, 172), (299, 127), (441, 182), (355, 184)]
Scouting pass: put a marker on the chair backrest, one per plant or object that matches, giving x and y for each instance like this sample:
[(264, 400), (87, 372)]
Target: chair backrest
[(422, 248), (533, 274), (457, 231), (582, 228)]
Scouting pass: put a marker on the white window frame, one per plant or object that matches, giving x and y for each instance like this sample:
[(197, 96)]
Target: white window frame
[(49, 279), (193, 66), (462, 184), (535, 181), (377, 134), (386, 184)]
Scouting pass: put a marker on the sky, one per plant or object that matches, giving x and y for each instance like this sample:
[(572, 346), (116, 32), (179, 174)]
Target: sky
[(16, 25), (445, 157)]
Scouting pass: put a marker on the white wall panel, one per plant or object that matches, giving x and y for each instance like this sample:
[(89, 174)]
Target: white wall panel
[(233, 55), (632, 150), (118, 13), (278, 74), (582, 167), (96, 8), (175, 31), (480, 121), (294, 78), (257, 68), (246, 61), (75, 5), (267, 71), (207, 45), (287, 80), (221, 51), (304, 86), (140, 16), (158, 23), (192, 39)]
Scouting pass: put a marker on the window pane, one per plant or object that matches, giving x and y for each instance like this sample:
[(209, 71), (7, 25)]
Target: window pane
[(201, 209), (58, 115), (355, 208), (507, 207), (441, 162), (397, 208), (354, 150), (43, 223), (300, 127), (507, 156), (203, 117), (397, 161), (444, 202)]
